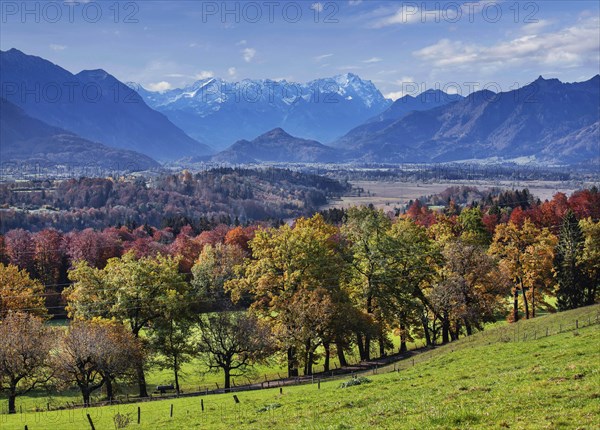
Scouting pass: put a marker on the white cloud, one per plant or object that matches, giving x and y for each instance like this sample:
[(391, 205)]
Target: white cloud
[(346, 68), (373, 60), (322, 57), (535, 27), (160, 86), (204, 74), (410, 13), (568, 47), (248, 54), (232, 72), (406, 14), (242, 42), (394, 95), (402, 82), (56, 47), (405, 79), (354, 2)]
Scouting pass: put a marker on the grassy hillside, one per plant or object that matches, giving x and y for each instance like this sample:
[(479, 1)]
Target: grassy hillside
[(508, 377)]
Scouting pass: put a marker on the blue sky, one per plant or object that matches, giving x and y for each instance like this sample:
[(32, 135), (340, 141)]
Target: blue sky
[(457, 46)]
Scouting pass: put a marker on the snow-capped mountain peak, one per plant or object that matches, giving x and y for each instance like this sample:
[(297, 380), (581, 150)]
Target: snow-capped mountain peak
[(322, 109)]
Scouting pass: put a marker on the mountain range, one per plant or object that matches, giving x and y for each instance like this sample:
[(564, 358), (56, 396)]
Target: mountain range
[(220, 112), (51, 115)]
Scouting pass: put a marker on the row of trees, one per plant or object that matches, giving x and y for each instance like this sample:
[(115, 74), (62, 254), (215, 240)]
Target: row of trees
[(49, 253)]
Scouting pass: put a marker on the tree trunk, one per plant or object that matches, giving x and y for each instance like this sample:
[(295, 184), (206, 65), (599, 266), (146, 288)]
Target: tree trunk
[(176, 373), (307, 358), (327, 347), (85, 393), (11, 400), (340, 354), (141, 377), (468, 328), (445, 328), (309, 364), (361, 347), (533, 302), (403, 347), (367, 348), (382, 345), (526, 303), (516, 305), (292, 366), (426, 330), (109, 389), (227, 372)]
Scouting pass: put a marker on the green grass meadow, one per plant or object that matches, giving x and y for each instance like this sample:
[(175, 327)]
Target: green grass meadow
[(536, 374)]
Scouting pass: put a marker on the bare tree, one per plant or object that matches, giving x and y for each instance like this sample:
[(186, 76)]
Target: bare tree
[(94, 353), (119, 355), (24, 355)]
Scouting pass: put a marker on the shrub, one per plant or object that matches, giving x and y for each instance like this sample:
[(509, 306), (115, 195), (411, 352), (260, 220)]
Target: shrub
[(355, 381)]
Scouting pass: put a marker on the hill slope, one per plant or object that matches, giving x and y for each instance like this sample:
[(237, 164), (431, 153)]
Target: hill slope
[(278, 146), (487, 382)]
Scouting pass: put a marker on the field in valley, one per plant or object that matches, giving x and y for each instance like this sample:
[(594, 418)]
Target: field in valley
[(390, 194)]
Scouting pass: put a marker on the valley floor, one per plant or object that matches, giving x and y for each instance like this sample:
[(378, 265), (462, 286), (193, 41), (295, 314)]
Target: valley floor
[(388, 195)]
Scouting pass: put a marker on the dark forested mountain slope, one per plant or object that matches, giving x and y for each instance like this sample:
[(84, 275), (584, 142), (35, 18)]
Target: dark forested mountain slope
[(24, 139), (92, 104)]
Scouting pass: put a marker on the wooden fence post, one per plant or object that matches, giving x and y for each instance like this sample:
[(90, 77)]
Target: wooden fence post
[(139, 414), (171, 410), (91, 422)]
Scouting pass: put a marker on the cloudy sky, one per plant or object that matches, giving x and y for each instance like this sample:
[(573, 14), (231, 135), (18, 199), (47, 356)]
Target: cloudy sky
[(457, 46)]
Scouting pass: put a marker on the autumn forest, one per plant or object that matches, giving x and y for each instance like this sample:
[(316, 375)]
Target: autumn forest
[(235, 293)]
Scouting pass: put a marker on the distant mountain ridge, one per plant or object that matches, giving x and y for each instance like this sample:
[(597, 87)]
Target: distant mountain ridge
[(278, 146), (221, 112), (92, 104), (400, 108), (28, 140), (546, 119)]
